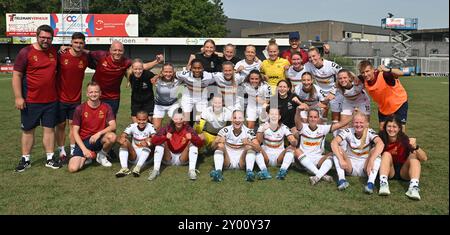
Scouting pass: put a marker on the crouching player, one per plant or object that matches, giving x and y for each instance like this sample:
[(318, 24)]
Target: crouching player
[(273, 153), (359, 158), (93, 126), (138, 150), (312, 140), (235, 147), (213, 119), (176, 144)]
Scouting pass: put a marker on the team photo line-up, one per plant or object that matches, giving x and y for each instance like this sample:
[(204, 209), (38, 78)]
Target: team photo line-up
[(284, 99)]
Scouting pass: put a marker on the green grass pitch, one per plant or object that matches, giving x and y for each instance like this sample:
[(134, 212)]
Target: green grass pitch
[(95, 190)]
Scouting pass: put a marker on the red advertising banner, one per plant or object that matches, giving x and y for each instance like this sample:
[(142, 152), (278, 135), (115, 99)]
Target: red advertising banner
[(6, 68)]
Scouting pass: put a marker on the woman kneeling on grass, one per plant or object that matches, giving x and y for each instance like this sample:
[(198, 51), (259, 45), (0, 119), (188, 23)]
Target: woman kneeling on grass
[(401, 158)]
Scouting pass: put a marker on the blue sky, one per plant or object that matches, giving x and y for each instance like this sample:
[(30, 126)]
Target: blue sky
[(431, 13)]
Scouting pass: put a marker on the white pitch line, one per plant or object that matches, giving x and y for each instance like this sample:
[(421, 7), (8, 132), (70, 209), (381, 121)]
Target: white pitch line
[(444, 83)]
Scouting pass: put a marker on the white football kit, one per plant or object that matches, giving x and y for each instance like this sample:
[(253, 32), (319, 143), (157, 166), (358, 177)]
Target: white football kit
[(312, 141), (273, 143), (325, 78), (357, 156), (233, 144)]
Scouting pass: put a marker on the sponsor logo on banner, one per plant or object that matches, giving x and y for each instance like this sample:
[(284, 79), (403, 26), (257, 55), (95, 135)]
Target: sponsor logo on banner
[(92, 25), (393, 22), (18, 24)]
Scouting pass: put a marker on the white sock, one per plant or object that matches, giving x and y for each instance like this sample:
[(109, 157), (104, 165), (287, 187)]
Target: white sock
[(250, 160), (159, 153), (123, 157), (306, 162), (27, 157), (324, 168), (72, 148), (62, 151), (384, 179), (49, 156), (287, 160), (260, 161), (218, 159), (413, 182), (340, 172), (143, 157), (374, 171), (193, 154), (299, 158)]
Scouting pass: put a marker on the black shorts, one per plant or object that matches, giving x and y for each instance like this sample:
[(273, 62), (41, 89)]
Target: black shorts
[(146, 106), (114, 105), (34, 115), (65, 111), (397, 168), (401, 113), (97, 146)]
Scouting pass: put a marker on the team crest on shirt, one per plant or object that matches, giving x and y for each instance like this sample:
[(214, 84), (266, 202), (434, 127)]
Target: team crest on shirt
[(66, 61), (105, 64), (86, 114), (35, 58), (101, 114), (80, 64), (51, 57)]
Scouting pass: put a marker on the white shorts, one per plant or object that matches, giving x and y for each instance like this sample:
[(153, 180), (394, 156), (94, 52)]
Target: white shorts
[(253, 113), (233, 102), (200, 102), (273, 154), (235, 156), (336, 103), (139, 151), (362, 103), (358, 167), (175, 161), (160, 111)]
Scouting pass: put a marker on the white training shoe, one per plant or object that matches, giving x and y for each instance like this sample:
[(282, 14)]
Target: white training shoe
[(313, 180), (153, 175), (384, 189), (193, 174), (327, 178), (413, 193), (101, 158)]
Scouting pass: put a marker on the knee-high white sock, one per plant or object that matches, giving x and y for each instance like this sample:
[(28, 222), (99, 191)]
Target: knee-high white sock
[(250, 160), (324, 168), (143, 157), (218, 159), (374, 171), (340, 172), (306, 162), (123, 157), (193, 154), (159, 153), (287, 160), (260, 161)]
